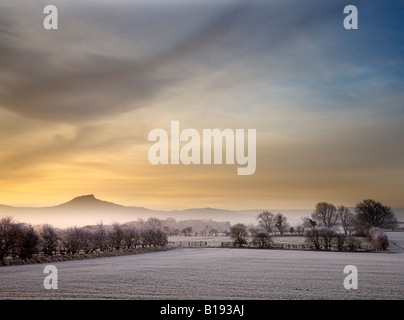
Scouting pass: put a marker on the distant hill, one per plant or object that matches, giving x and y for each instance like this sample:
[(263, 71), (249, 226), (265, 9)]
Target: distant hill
[(88, 201), (79, 211), (88, 210)]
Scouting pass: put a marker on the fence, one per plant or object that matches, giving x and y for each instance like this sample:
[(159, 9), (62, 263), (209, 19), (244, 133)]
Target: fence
[(193, 244), (279, 246), (285, 246)]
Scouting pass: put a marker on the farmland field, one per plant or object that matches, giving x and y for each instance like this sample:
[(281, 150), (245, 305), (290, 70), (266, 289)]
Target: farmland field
[(214, 273)]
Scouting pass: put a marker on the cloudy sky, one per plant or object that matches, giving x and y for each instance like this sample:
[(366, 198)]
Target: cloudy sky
[(77, 103)]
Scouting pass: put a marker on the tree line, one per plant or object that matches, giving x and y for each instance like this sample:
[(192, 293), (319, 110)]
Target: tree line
[(329, 227), (192, 227), (20, 240), (369, 218)]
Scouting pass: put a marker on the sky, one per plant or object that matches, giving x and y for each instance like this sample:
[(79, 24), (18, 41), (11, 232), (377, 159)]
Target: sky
[(77, 103)]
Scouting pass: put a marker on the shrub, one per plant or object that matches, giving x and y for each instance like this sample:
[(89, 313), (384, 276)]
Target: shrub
[(261, 239), (326, 237), (378, 238), (340, 240), (313, 239), (352, 244), (239, 234)]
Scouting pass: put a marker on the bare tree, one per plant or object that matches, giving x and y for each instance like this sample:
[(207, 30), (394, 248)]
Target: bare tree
[(325, 215), (131, 236), (100, 237), (213, 232), (324, 238), (86, 240), (159, 237), (281, 223), (154, 222), (239, 234), (147, 236), (17, 239), (371, 213), (313, 239), (49, 239), (117, 236), (262, 239), (340, 241), (72, 240), (174, 232), (187, 231), (266, 220), (300, 230), (153, 236), (327, 237), (15, 233), (346, 217), (26, 242), (6, 239)]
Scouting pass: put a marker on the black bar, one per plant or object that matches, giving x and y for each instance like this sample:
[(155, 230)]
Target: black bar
[(251, 309)]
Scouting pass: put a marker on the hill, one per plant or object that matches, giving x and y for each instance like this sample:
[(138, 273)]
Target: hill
[(88, 210)]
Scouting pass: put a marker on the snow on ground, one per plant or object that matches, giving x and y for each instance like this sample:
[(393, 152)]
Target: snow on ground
[(213, 273), (396, 240)]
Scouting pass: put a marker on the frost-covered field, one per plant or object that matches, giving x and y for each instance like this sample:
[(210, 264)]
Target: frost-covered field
[(213, 273), (396, 240)]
